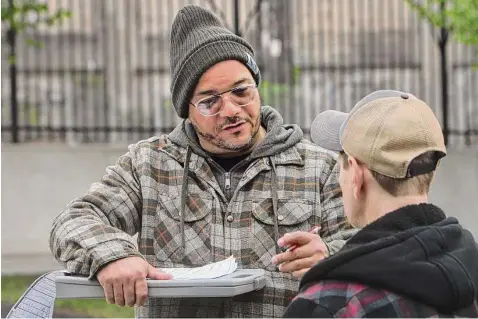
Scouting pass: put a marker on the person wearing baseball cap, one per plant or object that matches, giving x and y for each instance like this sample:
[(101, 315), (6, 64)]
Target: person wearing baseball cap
[(408, 259)]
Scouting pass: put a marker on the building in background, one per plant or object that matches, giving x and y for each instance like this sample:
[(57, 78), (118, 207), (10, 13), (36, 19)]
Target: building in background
[(103, 75)]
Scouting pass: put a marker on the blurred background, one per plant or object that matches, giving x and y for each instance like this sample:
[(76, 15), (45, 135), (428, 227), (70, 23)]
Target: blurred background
[(82, 79)]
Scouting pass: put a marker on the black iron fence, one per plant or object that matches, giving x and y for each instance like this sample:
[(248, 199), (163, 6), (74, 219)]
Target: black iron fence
[(103, 74)]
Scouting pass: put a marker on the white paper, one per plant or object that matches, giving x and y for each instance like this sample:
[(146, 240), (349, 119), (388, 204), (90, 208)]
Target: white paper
[(210, 271)]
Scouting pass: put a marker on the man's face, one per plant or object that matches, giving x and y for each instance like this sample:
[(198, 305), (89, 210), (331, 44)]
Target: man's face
[(235, 129), (354, 203)]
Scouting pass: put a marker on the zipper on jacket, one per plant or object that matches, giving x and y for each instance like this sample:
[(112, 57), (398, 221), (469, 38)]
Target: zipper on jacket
[(228, 181)]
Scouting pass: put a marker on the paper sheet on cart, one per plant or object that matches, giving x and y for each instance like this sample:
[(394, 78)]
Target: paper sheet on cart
[(210, 271)]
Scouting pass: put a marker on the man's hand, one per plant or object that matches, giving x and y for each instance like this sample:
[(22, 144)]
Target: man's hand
[(124, 280), (310, 250)]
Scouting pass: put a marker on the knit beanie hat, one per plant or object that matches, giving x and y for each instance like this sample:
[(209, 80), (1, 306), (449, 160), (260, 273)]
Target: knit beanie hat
[(198, 41)]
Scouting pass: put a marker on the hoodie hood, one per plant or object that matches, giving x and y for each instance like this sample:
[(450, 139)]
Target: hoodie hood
[(415, 251), (278, 138)]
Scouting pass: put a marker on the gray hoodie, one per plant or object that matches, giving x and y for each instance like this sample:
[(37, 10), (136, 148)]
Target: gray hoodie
[(278, 138)]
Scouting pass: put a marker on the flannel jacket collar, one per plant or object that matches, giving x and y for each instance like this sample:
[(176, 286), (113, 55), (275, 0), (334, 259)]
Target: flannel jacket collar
[(290, 156)]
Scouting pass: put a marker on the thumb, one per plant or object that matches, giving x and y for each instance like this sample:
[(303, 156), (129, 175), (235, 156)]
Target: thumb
[(155, 273)]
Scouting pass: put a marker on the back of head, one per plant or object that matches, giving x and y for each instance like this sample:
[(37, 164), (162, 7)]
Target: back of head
[(415, 185), (394, 134)]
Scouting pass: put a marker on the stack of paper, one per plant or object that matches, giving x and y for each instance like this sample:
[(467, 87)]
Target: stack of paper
[(211, 271)]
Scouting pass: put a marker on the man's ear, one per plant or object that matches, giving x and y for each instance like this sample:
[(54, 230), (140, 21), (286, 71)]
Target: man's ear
[(357, 177)]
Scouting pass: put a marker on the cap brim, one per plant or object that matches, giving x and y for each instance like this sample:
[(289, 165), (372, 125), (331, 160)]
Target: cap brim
[(325, 129)]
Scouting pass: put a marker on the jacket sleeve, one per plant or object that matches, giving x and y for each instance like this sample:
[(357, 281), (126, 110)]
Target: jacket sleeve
[(97, 228), (306, 308), (336, 230)]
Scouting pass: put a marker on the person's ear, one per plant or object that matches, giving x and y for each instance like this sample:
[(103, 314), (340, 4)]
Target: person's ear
[(357, 176)]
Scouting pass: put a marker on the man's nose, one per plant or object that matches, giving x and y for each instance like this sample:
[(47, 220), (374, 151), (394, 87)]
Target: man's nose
[(229, 109)]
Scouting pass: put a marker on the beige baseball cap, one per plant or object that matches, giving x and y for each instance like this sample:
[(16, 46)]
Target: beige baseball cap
[(385, 131)]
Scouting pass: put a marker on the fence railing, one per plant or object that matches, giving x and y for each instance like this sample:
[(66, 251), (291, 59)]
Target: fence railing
[(103, 74)]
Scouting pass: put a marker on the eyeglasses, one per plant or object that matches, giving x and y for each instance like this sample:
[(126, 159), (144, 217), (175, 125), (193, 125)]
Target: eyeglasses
[(241, 95)]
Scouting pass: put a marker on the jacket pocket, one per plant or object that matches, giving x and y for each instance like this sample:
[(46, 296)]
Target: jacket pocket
[(292, 215), (168, 246)]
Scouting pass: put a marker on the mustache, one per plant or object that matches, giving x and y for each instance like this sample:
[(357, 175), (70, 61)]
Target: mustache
[(232, 120)]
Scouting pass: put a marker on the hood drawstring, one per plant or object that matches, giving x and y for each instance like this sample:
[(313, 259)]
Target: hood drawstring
[(184, 194), (274, 204)]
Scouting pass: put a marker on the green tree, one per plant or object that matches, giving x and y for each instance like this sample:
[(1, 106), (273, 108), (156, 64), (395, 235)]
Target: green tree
[(19, 16), (457, 17), (24, 15)]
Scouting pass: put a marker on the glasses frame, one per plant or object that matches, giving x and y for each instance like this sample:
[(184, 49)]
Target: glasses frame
[(220, 96)]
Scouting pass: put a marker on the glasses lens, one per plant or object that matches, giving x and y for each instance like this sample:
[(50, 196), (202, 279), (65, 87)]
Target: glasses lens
[(242, 95), (209, 105)]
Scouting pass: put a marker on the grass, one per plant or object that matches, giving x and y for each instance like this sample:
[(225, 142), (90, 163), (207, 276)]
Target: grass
[(14, 286)]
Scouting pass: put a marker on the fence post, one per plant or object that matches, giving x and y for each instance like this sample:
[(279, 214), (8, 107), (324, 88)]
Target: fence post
[(444, 72), (236, 18), (11, 37)]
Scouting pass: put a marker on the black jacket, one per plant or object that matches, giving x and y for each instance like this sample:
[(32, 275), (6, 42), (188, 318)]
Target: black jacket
[(412, 262)]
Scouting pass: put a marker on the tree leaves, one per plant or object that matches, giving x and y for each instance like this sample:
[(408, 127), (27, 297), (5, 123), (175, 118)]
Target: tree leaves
[(459, 17), (21, 15)]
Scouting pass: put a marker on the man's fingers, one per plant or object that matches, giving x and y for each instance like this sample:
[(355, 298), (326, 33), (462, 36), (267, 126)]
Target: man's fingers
[(109, 293), (296, 238), (124, 280), (129, 293), (298, 264), (118, 293), (283, 258), (162, 276), (300, 273), (300, 252), (157, 274), (141, 289), (118, 279)]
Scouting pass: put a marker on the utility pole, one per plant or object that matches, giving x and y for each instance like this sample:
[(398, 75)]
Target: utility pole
[(236, 18), (442, 44), (11, 36)]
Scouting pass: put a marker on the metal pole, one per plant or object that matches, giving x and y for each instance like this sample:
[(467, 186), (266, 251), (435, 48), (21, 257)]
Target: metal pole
[(11, 35), (444, 73), (236, 18), (259, 31)]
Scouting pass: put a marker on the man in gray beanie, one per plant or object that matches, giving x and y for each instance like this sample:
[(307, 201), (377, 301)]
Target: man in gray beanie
[(231, 179)]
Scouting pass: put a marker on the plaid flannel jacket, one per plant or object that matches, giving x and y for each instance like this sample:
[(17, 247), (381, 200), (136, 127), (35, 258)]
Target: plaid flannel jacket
[(142, 194), (338, 299)]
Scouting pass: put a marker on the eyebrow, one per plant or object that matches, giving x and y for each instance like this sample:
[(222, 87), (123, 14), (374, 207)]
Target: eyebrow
[(213, 92)]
